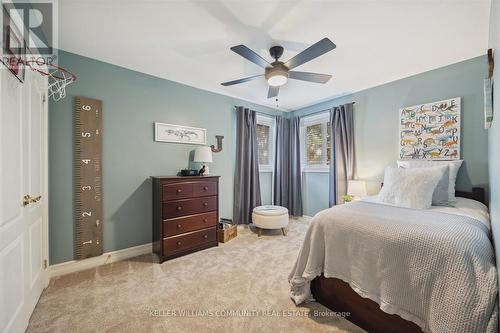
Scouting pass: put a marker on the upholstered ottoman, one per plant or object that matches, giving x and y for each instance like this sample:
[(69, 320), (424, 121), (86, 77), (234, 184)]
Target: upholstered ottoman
[(270, 217)]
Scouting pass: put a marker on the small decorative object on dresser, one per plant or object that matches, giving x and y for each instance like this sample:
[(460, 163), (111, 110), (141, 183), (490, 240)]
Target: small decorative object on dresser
[(185, 215)]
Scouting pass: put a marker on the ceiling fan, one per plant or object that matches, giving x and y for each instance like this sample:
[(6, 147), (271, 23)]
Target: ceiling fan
[(277, 73)]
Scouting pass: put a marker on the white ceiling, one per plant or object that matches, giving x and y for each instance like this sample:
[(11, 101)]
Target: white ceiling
[(188, 41)]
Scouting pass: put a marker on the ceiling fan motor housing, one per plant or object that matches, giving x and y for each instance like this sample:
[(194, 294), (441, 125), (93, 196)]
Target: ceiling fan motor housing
[(276, 52)]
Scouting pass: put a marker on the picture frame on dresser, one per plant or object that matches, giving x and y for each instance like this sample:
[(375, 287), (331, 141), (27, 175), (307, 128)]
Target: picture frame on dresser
[(185, 215)]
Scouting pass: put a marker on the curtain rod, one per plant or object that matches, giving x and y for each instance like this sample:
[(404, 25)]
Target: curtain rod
[(309, 114), (325, 110)]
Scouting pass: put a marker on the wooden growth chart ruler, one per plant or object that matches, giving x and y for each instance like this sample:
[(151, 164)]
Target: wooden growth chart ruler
[(88, 181)]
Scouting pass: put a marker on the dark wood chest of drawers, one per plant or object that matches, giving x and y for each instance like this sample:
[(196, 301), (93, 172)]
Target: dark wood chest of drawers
[(185, 215)]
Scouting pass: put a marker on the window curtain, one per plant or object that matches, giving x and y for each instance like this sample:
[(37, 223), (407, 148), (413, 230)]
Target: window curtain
[(246, 176), (342, 164), (287, 174)]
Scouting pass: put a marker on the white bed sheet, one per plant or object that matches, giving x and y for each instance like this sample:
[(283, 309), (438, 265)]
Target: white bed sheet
[(465, 207)]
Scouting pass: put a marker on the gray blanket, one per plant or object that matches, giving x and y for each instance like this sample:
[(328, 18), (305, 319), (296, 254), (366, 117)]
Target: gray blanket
[(432, 268)]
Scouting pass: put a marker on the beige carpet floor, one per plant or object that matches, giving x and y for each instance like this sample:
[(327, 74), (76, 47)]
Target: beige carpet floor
[(240, 286)]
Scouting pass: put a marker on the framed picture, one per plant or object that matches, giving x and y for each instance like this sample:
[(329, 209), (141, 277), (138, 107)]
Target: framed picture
[(430, 131), (180, 134), (13, 47)]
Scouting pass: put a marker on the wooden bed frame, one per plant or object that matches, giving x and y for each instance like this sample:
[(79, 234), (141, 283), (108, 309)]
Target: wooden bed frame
[(336, 295)]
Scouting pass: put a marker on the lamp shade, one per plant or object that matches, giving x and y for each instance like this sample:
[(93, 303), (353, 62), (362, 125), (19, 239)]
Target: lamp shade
[(203, 154), (357, 188)]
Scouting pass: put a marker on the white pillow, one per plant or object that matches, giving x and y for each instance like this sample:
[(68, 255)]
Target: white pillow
[(454, 167), (411, 188), (440, 196)]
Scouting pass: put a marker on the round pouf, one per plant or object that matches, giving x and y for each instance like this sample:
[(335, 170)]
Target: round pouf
[(270, 217)]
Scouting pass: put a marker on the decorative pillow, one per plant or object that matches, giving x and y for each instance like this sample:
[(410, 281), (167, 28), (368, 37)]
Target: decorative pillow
[(454, 167), (411, 188), (440, 196)]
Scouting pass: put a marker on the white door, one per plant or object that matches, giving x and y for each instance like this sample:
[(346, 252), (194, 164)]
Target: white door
[(23, 169)]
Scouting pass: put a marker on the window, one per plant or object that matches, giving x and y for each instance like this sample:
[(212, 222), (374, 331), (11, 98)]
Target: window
[(265, 133), (316, 140)]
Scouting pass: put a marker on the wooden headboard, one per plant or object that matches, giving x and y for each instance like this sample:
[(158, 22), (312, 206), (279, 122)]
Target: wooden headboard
[(477, 194)]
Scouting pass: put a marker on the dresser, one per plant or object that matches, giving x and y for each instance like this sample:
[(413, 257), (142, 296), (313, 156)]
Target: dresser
[(185, 215)]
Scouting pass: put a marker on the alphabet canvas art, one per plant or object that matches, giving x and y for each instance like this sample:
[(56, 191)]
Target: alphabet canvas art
[(430, 131)]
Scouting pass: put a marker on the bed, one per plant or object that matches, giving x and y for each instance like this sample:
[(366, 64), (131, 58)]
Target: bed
[(406, 287)]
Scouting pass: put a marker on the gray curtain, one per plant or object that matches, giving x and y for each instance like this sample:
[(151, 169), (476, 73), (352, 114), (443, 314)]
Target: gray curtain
[(246, 175), (342, 165), (287, 174)]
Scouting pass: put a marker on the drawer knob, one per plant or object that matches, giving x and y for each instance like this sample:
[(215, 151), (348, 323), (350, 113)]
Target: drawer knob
[(205, 220), (179, 190), (205, 204), (205, 236), (205, 188), (179, 226), (179, 243), (179, 208)]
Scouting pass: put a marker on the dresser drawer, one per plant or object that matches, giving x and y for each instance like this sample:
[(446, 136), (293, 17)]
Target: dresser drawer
[(181, 225), (188, 241), (204, 189), (177, 191), (188, 207)]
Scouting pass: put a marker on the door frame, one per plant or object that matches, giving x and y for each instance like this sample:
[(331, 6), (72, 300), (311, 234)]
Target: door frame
[(45, 208), (42, 83)]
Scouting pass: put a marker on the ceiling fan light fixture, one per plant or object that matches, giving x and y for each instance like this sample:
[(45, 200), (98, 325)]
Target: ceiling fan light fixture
[(277, 75), (277, 80)]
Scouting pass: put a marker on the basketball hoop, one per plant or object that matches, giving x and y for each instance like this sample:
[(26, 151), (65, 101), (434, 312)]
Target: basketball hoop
[(58, 78)]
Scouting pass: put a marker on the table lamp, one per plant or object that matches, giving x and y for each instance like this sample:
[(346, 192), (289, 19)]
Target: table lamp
[(357, 188), (203, 154)]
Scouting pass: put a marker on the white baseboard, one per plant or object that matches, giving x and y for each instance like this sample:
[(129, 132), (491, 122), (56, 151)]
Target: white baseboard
[(307, 216), (106, 258)]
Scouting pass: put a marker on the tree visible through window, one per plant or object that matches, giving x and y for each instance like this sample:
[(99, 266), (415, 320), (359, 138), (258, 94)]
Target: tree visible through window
[(317, 143), (328, 142), (314, 144)]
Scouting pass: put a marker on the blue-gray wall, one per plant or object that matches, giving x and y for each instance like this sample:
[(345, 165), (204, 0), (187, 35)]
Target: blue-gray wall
[(132, 102), (376, 125), (494, 132)]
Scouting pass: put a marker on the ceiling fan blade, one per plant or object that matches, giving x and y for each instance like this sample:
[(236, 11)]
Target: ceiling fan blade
[(314, 51), (311, 77), (273, 91), (248, 54), (246, 79)]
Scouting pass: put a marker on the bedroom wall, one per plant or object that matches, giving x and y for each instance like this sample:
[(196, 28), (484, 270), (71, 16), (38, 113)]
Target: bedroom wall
[(376, 125), (494, 131), (132, 101)]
